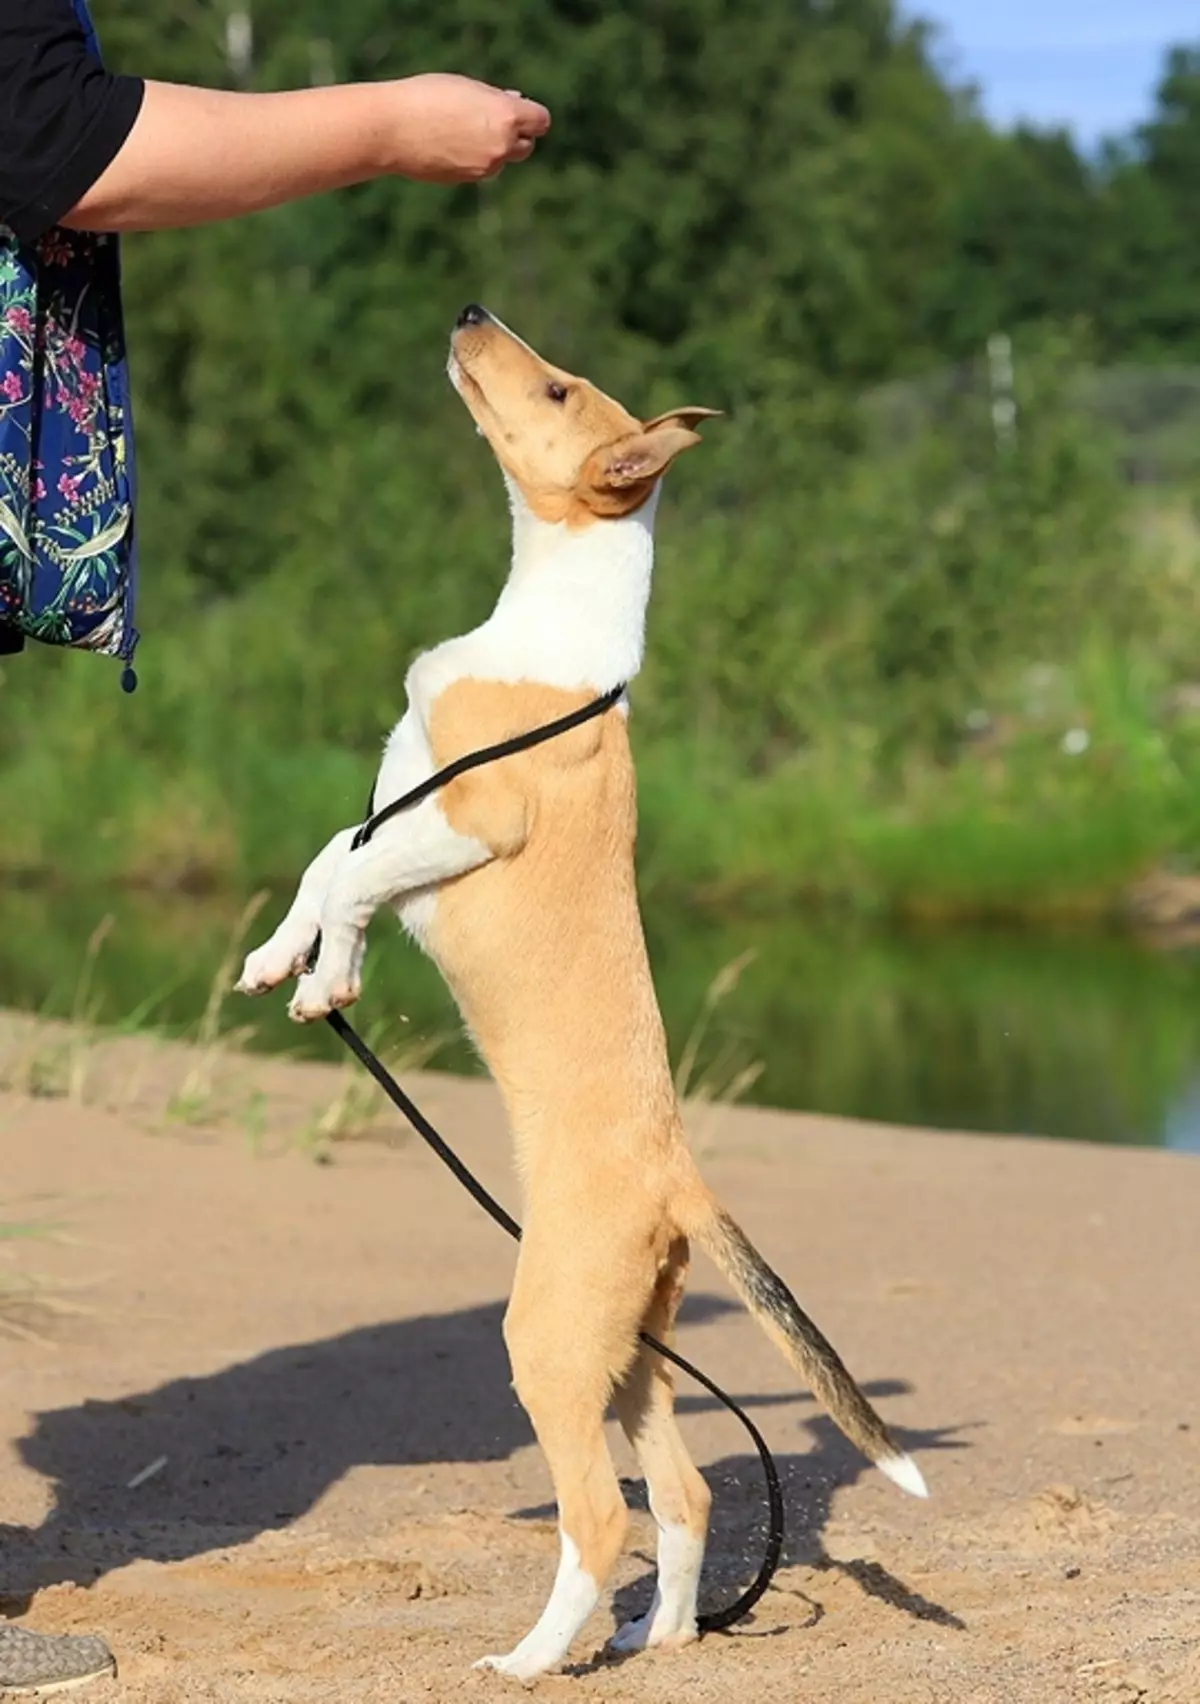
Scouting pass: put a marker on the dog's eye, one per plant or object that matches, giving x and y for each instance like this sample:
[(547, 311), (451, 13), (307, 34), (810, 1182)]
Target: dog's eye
[(556, 392)]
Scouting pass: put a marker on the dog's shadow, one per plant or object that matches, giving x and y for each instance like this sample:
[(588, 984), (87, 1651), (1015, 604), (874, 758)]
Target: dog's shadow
[(250, 1448), (810, 1481)]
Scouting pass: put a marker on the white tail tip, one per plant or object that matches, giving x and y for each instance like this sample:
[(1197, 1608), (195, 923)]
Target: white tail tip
[(903, 1471)]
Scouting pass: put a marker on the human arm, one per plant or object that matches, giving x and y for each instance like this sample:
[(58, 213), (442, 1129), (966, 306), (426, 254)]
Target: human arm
[(84, 147), (195, 155)]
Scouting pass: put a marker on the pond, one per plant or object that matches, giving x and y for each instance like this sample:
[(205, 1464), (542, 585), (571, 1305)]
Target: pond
[(1092, 1038)]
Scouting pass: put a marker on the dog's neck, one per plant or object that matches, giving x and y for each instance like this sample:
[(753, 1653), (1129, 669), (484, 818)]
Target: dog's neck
[(573, 611)]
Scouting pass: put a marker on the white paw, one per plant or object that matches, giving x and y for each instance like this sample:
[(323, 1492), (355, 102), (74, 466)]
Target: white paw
[(269, 965), (316, 996), (650, 1633), (261, 972), (515, 1666)]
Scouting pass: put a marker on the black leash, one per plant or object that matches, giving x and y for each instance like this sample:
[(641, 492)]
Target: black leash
[(717, 1620), (477, 759)]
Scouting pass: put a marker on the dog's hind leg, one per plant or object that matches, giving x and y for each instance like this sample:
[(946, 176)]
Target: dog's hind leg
[(287, 951), (679, 1497), (568, 1340)]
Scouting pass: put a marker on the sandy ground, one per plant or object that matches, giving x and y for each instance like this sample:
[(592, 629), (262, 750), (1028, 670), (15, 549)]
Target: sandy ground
[(348, 1505)]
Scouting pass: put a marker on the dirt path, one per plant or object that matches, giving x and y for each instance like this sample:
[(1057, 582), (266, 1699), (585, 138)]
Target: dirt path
[(348, 1506)]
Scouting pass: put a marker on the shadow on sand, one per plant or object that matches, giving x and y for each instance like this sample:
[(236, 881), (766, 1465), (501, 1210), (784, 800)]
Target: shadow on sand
[(254, 1446)]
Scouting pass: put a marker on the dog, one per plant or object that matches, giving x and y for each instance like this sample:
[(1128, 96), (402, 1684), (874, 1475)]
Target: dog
[(518, 879)]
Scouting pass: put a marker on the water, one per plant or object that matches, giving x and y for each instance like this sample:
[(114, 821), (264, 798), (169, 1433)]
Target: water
[(1090, 1038)]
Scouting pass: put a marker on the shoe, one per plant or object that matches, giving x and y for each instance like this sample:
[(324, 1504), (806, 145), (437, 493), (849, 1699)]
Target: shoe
[(33, 1665)]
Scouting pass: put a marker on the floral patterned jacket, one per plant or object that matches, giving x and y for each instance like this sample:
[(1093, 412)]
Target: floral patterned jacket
[(66, 448)]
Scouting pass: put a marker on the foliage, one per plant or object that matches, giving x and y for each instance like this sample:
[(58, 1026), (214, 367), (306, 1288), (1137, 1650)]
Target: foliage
[(782, 210)]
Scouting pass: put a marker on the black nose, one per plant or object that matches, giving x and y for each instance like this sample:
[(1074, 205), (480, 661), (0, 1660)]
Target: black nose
[(472, 314)]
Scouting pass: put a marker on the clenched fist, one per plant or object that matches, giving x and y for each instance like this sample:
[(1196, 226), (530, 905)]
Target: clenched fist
[(450, 129)]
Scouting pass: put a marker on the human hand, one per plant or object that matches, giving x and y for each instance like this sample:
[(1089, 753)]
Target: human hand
[(441, 128)]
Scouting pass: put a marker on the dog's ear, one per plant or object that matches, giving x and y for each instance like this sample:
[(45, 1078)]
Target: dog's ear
[(687, 417), (639, 457)]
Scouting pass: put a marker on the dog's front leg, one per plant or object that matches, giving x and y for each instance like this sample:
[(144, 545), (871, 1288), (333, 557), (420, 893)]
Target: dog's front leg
[(286, 953), (417, 849)]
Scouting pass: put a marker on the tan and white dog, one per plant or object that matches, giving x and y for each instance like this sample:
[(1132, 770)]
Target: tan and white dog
[(518, 879)]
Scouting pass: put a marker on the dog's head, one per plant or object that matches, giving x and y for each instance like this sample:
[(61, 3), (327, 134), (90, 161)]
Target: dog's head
[(574, 453)]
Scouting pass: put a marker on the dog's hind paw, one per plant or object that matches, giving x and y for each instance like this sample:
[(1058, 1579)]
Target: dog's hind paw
[(649, 1632), (514, 1666)]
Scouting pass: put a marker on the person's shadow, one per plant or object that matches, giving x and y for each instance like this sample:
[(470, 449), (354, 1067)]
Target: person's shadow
[(249, 1449)]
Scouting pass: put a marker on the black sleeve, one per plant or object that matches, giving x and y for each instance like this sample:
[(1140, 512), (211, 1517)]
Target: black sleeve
[(63, 118)]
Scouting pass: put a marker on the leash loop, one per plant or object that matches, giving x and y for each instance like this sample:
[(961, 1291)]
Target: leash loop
[(717, 1620)]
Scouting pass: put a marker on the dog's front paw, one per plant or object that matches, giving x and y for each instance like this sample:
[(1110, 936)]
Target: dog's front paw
[(267, 966), (316, 996), (260, 973)]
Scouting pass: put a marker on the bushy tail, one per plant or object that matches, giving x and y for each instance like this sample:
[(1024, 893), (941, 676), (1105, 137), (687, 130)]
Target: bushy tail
[(804, 1345)]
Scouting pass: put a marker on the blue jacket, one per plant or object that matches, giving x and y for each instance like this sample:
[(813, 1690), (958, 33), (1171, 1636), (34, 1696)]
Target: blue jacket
[(67, 552)]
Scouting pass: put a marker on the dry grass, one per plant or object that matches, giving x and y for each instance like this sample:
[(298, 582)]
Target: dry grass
[(199, 1098), (212, 1082), (209, 1082), (354, 1114), (727, 1075)]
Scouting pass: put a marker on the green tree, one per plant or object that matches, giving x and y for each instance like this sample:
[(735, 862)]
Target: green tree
[(1024, 233), (736, 207), (1150, 276)]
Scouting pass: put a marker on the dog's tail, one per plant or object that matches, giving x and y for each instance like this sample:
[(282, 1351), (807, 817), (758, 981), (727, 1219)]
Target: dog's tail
[(802, 1342)]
